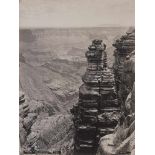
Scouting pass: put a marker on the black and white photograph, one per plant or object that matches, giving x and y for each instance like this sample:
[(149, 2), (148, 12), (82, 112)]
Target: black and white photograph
[(77, 77)]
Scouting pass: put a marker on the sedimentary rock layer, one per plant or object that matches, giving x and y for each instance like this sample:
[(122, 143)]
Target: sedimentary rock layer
[(97, 112), (122, 141)]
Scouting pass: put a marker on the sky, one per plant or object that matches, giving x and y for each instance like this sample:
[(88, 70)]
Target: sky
[(76, 13)]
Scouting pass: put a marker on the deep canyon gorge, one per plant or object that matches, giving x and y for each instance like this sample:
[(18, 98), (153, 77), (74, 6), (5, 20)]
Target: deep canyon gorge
[(52, 62)]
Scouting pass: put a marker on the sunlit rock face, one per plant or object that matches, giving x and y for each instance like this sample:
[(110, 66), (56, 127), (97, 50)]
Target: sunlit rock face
[(122, 141), (97, 112)]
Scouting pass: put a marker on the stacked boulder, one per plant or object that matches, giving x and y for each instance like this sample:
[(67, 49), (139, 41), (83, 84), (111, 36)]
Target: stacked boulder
[(97, 112)]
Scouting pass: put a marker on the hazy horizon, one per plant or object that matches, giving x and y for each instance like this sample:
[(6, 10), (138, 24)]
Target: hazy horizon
[(76, 14), (86, 27)]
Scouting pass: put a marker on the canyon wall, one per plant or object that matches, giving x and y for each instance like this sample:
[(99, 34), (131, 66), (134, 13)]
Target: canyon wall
[(51, 66), (122, 141)]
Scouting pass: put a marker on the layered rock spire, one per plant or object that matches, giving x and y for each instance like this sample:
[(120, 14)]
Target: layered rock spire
[(125, 47), (97, 112), (105, 60), (122, 141)]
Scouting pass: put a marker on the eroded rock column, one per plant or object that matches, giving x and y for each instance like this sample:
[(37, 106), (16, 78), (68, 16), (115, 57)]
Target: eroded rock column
[(122, 141), (124, 48), (97, 112)]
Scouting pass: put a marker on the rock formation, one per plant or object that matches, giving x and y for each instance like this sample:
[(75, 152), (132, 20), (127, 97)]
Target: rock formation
[(122, 141), (51, 65), (46, 106), (26, 120), (41, 133), (97, 112), (23, 109), (124, 48)]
